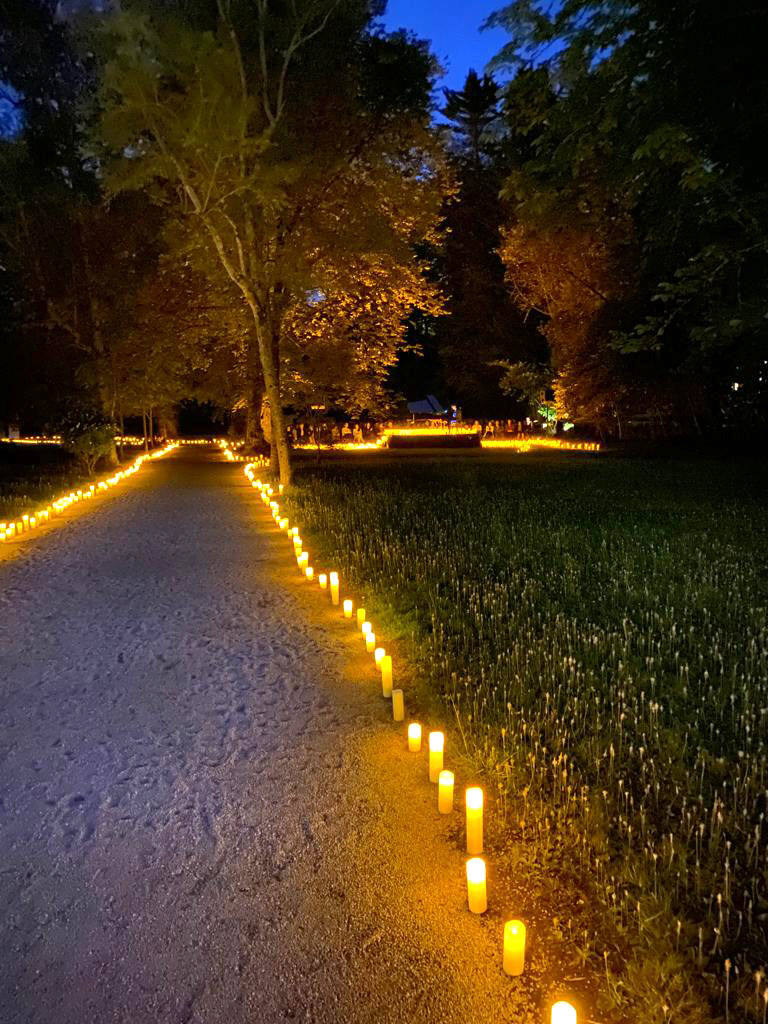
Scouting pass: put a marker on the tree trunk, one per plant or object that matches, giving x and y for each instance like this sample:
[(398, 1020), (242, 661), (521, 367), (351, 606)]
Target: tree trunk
[(144, 428), (265, 338)]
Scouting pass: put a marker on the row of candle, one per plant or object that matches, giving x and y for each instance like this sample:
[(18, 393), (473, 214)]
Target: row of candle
[(514, 936), (29, 522), (329, 582)]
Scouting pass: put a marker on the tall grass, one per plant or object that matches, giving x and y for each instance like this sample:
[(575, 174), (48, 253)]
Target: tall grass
[(597, 628)]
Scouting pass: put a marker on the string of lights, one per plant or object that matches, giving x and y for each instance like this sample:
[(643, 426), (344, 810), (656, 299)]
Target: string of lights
[(32, 521)]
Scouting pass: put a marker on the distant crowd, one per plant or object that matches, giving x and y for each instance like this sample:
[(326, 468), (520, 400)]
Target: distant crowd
[(362, 431)]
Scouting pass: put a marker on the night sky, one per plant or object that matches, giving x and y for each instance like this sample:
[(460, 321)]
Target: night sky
[(454, 28)]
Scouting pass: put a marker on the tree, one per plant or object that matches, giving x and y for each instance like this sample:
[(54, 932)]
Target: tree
[(650, 143), (272, 144), (473, 113), (43, 182), (344, 342), (484, 325)]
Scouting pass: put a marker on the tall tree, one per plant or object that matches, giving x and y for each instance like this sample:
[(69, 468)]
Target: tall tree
[(651, 147), (484, 326), (278, 146), (473, 113)]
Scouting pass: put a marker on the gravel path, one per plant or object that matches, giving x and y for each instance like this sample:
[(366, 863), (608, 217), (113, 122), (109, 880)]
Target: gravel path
[(205, 815)]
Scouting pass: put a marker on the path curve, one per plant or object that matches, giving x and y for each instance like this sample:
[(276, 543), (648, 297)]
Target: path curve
[(205, 815)]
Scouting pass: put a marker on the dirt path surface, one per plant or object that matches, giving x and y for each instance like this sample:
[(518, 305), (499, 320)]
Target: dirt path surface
[(205, 815)]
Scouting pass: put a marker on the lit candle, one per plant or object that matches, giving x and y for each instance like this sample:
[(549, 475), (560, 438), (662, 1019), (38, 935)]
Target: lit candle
[(334, 581), (386, 676), (436, 745), (303, 560), (322, 579), (360, 617), (309, 572), (563, 1013), (414, 737), (378, 654), (398, 706), (370, 642), (445, 792), (348, 608), (514, 948), (476, 892), (365, 629), (474, 799)]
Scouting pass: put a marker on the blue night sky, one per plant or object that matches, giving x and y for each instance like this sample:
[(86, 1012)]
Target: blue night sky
[(453, 26)]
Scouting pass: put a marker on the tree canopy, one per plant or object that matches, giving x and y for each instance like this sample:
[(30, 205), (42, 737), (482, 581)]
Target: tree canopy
[(638, 220)]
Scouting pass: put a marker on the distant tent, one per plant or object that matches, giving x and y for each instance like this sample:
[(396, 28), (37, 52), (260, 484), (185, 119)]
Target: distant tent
[(428, 406)]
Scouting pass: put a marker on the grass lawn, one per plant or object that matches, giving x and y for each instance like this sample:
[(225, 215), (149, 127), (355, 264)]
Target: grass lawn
[(594, 630), (31, 475)]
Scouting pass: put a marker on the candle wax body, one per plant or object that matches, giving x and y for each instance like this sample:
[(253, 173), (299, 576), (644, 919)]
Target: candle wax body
[(563, 1013), (360, 617), (386, 676), (414, 737), (514, 948), (398, 706), (334, 593), (436, 743), (476, 891), (445, 792), (347, 609), (370, 642), (474, 820)]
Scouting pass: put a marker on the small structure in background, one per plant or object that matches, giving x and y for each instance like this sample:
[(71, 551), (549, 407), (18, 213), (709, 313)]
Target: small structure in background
[(429, 407)]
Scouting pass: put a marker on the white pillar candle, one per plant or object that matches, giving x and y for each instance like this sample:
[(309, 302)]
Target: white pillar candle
[(378, 654), (322, 579), (348, 608), (563, 1013), (303, 560), (360, 617), (334, 581), (370, 642), (309, 572), (514, 948), (398, 706), (365, 629), (445, 792), (476, 892), (386, 676), (414, 737), (474, 799), (436, 746)]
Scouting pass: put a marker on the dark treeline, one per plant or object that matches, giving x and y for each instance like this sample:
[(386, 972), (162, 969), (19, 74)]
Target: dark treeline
[(255, 206)]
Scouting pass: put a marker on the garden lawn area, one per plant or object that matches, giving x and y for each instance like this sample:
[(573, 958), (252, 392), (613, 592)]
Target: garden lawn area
[(594, 629), (32, 475)]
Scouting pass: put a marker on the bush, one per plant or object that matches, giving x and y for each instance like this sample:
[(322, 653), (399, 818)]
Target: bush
[(89, 439)]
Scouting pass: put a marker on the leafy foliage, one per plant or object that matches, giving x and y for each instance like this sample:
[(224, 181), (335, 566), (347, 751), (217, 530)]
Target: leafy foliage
[(645, 146)]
